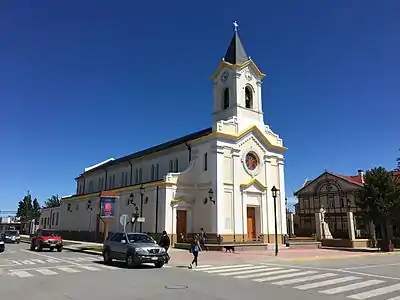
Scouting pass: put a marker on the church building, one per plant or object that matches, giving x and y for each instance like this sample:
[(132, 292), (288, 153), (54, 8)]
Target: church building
[(219, 178)]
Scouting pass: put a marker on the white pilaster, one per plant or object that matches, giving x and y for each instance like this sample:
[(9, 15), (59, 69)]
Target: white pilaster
[(268, 207), (236, 194), (217, 186), (281, 209)]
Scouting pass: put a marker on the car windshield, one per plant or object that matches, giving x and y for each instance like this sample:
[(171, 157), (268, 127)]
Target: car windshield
[(49, 233), (12, 233), (140, 238)]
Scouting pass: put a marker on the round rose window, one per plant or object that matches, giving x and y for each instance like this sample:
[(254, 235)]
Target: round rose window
[(251, 161)]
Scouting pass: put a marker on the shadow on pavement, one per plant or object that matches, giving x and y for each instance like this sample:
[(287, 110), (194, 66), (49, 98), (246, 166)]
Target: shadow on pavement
[(122, 265)]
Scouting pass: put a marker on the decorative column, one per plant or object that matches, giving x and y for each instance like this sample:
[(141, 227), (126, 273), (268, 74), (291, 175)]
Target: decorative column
[(267, 208), (318, 226), (217, 186), (350, 222), (236, 192), (282, 196)]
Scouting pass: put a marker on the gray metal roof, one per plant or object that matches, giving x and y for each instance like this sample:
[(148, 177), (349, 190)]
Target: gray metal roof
[(235, 53)]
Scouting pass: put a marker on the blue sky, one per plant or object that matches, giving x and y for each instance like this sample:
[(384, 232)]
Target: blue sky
[(83, 81)]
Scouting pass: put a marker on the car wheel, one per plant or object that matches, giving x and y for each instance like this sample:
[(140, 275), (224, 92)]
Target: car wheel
[(159, 264), (130, 260), (106, 257), (59, 249)]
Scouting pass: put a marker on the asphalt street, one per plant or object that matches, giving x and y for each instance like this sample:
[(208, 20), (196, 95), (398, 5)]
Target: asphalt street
[(73, 276)]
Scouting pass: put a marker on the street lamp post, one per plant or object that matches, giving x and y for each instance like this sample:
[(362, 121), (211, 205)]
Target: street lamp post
[(142, 189), (274, 191)]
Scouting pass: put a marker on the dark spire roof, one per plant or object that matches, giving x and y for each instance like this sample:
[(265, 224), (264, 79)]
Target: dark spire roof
[(235, 53)]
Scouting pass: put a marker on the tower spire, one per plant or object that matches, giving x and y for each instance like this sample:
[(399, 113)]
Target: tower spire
[(236, 53)]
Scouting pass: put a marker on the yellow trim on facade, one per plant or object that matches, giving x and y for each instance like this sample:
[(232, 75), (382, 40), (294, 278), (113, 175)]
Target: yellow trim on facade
[(122, 189), (246, 131), (224, 64), (180, 200), (251, 182)]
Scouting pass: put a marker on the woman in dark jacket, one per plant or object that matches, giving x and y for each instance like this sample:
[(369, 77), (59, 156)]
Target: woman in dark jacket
[(195, 248), (165, 242)]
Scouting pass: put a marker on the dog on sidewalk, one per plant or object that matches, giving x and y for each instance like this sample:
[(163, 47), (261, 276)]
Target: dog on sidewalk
[(230, 249)]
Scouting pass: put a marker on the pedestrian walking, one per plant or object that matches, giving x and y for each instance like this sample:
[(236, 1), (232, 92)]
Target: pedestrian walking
[(195, 249), (165, 242), (203, 237)]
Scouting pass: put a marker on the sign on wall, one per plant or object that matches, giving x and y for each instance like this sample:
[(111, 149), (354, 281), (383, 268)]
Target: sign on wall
[(107, 206)]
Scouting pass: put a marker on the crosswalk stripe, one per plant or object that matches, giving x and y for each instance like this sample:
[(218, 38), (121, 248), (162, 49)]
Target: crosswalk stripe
[(89, 268), (46, 272), (270, 272), (68, 270), (270, 278), (325, 283), (204, 267), (376, 292), (303, 279), (351, 287), (394, 298), (255, 269), (221, 267), (230, 270), (108, 267), (22, 274)]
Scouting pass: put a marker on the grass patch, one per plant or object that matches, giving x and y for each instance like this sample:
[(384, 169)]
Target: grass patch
[(92, 248)]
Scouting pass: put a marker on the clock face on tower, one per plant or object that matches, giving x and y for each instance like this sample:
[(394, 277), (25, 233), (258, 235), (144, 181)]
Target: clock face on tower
[(251, 161), (224, 76)]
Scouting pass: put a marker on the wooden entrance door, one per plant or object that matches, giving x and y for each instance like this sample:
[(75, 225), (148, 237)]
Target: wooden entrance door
[(251, 223), (181, 223)]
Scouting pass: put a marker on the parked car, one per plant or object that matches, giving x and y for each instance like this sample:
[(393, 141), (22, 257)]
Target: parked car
[(12, 236), (134, 249), (46, 238), (2, 246)]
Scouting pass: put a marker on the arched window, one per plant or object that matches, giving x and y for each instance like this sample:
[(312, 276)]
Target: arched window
[(226, 98), (248, 95)]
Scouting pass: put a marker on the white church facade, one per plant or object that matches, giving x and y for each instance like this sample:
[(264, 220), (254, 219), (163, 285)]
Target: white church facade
[(219, 178)]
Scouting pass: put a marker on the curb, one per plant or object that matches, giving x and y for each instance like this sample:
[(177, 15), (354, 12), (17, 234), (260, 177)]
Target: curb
[(91, 252)]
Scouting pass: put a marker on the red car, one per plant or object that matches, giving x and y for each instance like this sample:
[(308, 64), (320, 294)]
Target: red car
[(46, 238)]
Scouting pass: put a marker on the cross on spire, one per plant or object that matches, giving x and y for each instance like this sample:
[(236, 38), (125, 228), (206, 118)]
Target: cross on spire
[(235, 25)]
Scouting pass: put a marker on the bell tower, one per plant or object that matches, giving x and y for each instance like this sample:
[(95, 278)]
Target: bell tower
[(237, 87)]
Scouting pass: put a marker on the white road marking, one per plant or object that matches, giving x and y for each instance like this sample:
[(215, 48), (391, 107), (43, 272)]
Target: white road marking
[(394, 298), (351, 287), (255, 269), (89, 268), (290, 275), (26, 262), (325, 283), (331, 270), (220, 267), (230, 270), (204, 266), (21, 274), (303, 279), (46, 271), (39, 261), (376, 292), (67, 270), (107, 267), (49, 257), (270, 272)]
